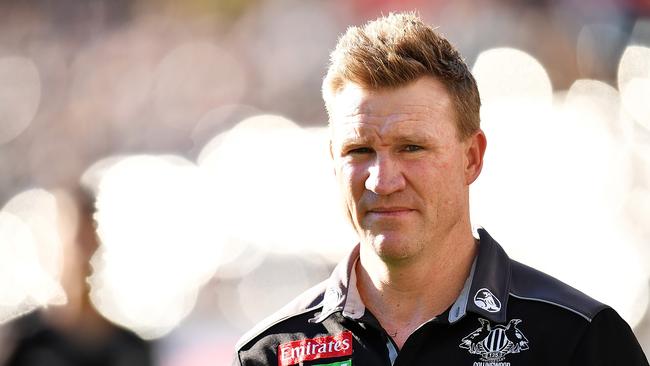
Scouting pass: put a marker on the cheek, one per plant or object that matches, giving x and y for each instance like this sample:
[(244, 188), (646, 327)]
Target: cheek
[(437, 181), (352, 188), (452, 185), (350, 193), (351, 179)]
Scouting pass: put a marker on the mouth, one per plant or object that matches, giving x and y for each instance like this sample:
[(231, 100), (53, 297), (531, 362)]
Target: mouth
[(389, 211)]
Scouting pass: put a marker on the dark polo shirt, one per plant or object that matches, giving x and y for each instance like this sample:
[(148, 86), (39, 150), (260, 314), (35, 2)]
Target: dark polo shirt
[(507, 314)]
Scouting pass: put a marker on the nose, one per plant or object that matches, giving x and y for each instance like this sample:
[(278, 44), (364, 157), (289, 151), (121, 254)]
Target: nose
[(385, 175)]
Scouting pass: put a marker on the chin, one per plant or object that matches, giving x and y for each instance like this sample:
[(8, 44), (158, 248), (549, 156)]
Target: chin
[(393, 248)]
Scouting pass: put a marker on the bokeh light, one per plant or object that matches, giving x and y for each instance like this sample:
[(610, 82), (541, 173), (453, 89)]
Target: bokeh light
[(597, 48), (596, 105), (159, 243), (30, 254), (274, 185), (211, 77), (93, 175), (105, 80), (274, 33), (20, 94), (216, 121), (281, 283), (634, 83), (637, 209), (567, 172), (512, 76)]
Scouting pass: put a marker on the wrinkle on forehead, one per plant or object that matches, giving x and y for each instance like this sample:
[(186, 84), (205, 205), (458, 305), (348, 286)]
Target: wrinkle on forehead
[(360, 125), (386, 119), (353, 99), (370, 109), (419, 109), (384, 133)]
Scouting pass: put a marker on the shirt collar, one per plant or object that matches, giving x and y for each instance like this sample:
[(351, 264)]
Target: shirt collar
[(337, 293), (490, 288), (485, 292)]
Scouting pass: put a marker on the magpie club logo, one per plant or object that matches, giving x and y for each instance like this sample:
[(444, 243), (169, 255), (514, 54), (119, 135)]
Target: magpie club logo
[(493, 343), (485, 300)]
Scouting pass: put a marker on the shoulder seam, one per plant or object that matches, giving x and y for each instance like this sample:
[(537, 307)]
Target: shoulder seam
[(244, 341), (555, 304)]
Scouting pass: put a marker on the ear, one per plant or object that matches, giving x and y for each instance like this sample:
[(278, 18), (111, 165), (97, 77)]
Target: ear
[(475, 146)]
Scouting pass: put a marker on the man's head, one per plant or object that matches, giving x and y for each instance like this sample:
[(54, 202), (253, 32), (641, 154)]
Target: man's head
[(405, 136), (396, 50)]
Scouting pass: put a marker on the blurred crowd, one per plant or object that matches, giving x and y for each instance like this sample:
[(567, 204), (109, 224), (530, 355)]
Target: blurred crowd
[(197, 134)]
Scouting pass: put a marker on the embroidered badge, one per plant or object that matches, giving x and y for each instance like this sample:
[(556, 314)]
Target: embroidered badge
[(485, 300), (295, 352), (332, 298), (493, 343)]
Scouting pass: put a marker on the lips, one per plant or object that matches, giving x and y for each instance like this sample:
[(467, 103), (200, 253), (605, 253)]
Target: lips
[(389, 211)]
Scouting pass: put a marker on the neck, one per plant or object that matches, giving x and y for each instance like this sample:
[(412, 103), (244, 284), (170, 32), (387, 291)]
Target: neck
[(404, 294), (78, 316)]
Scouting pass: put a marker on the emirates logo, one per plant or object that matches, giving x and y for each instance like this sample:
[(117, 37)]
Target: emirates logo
[(297, 352)]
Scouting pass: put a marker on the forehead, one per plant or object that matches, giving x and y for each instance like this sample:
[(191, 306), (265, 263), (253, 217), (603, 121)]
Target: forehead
[(423, 107)]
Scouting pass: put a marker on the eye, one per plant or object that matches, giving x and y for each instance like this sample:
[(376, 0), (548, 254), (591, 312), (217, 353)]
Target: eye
[(412, 148), (360, 150)]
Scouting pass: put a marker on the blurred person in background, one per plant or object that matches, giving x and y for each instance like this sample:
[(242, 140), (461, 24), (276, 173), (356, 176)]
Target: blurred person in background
[(421, 287), (74, 334)]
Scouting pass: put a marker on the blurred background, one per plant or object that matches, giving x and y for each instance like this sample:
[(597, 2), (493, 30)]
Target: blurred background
[(165, 182)]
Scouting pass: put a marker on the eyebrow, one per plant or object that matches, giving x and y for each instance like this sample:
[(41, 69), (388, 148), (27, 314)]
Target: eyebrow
[(411, 139), (414, 140), (355, 141)]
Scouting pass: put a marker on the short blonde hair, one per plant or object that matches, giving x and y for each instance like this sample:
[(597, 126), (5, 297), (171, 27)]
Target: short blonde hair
[(396, 50)]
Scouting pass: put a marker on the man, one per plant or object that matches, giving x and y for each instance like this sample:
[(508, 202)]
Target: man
[(420, 289), (74, 334)]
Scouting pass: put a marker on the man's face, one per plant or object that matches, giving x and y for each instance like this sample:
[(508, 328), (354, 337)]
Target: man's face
[(401, 167)]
